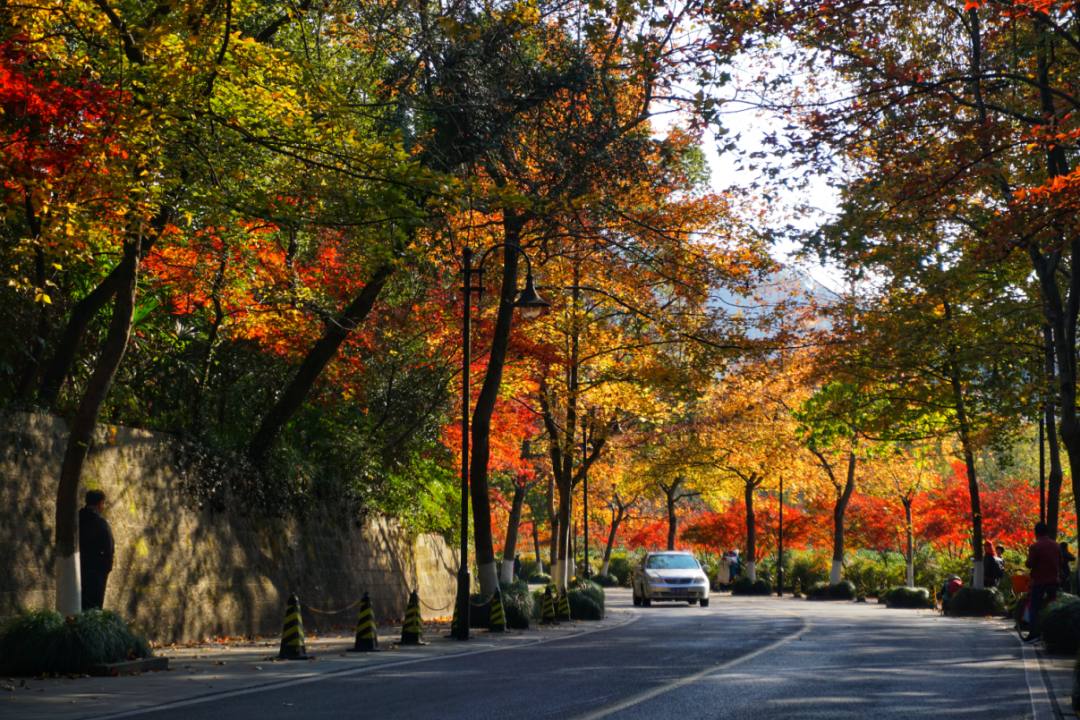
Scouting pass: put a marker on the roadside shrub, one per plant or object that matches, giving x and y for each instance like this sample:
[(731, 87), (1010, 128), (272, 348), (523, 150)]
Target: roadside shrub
[(872, 569), (586, 600), (807, 568), (604, 580), (745, 586), (518, 607), (44, 641), (621, 568), (518, 585), (540, 579), (905, 597), (821, 590), (1059, 622), (969, 602)]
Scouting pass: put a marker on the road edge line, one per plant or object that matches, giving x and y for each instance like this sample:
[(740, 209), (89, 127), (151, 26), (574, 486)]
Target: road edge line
[(1041, 706), (641, 697)]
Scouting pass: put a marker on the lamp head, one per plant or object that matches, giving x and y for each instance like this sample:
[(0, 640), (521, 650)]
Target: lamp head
[(529, 303)]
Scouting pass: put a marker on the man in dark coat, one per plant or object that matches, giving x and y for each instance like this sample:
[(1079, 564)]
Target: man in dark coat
[(95, 550)]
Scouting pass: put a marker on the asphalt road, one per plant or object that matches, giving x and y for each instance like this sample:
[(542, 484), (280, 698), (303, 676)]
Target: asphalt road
[(674, 661)]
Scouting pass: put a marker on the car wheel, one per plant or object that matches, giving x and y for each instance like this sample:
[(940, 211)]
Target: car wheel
[(647, 602), (637, 600), (691, 601), (704, 602)]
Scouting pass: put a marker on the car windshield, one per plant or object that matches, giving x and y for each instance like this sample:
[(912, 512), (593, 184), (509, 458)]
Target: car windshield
[(671, 562)]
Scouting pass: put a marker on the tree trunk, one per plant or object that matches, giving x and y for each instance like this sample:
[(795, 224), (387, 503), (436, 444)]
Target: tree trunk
[(672, 520), (553, 520), (68, 590), (536, 546), (839, 511), (910, 542), (562, 567), (485, 407), (510, 549), (751, 532), (616, 520), (321, 353), (1053, 484)]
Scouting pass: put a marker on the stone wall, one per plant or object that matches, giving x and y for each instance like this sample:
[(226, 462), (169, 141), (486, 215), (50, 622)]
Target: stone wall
[(183, 574)]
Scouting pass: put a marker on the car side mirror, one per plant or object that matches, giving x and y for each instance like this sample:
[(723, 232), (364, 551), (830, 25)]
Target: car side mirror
[(704, 568)]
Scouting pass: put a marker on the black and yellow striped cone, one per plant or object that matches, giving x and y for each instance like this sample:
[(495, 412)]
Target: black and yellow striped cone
[(564, 606), (547, 617), (292, 637), (412, 632), (367, 637), (497, 622)]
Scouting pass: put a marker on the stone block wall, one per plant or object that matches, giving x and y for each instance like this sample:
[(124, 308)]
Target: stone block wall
[(185, 574)]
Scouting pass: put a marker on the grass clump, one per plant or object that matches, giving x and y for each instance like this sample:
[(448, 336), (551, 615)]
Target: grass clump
[(843, 590), (604, 580), (586, 600), (539, 579), (42, 642), (969, 602), (746, 586), (905, 597), (517, 606)]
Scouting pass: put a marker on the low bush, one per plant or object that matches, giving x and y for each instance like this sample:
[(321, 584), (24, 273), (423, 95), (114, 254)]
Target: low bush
[(586, 600), (479, 610), (44, 641), (821, 590), (540, 579), (1059, 623), (622, 569), (518, 607), (746, 586), (905, 597), (969, 602), (604, 580)]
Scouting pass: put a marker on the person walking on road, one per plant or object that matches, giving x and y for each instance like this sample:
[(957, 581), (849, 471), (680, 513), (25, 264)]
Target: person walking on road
[(1044, 561), (96, 550)]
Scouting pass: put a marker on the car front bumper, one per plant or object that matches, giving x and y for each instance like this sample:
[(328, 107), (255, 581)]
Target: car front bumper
[(677, 592)]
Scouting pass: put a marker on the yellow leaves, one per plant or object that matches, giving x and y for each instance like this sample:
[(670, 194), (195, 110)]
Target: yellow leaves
[(41, 297)]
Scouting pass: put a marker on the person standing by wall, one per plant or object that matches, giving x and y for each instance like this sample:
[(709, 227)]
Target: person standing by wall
[(96, 549), (1044, 560)]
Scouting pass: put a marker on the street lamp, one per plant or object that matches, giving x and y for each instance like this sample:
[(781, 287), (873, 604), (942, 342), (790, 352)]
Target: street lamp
[(530, 305), (615, 430)]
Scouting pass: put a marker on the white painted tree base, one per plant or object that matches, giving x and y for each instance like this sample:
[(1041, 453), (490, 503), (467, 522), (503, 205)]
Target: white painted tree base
[(978, 582), (68, 585), (751, 571), (911, 575), (507, 572), (488, 577), (834, 574), (604, 568)]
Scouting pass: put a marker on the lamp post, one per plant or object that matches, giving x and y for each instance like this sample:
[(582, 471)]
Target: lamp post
[(780, 557), (530, 304)]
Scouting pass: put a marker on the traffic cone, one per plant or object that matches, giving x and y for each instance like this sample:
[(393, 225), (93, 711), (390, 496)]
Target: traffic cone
[(412, 632), (292, 637), (547, 617), (497, 623), (367, 638), (564, 606)]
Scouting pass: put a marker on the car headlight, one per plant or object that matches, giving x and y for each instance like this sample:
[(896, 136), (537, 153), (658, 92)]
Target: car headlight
[(700, 579)]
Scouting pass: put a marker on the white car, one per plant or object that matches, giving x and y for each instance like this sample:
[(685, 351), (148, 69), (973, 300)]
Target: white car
[(671, 575)]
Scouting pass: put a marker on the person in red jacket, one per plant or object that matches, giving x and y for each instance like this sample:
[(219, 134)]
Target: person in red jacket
[(1044, 560)]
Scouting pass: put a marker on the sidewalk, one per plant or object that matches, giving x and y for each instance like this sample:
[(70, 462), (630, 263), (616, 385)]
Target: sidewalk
[(1057, 673), (229, 666)]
